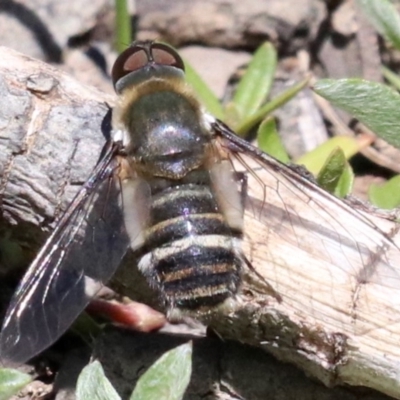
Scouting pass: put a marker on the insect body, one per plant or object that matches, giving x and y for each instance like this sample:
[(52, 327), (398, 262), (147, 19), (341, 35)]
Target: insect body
[(180, 227), (196, 204), (174, 202)]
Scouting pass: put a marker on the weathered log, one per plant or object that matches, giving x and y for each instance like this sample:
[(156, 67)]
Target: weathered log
[(328, 321)]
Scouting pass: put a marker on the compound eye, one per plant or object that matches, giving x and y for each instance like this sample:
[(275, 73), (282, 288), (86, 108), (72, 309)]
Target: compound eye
[(132, 59), (141, 54), (163, 54)]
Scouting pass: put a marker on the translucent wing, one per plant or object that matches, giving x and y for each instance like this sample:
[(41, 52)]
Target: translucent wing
[(325, 258), (82, 253)]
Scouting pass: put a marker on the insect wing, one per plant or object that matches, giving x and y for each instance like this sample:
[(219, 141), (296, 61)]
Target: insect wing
[(82, 253), (333, 262)]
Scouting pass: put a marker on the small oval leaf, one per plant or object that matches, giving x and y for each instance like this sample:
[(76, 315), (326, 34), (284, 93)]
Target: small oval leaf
[(269, 141), (93, 384), (168, 377), (391, 77), (232, 117), (387, 195), (346, 181), (256, 83), (375, 105), (331, 172), (205, 94), (11, 382), (385, 18), (334, 176), (267, 108), (314, 160)]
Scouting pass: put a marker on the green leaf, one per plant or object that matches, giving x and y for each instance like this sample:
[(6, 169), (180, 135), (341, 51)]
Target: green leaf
[(314, 160), (269, 141), (256, 83), (335, 175), (374, 104), (93, 384), (386, 195), (11, 382), (168, 377), (385, 18), (205, 94), (232, 117), (346, 182), (391, 77), (123, 26), (272, 105)]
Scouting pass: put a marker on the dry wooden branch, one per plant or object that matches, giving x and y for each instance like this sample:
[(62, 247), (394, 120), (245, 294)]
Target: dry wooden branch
[(330, 325)]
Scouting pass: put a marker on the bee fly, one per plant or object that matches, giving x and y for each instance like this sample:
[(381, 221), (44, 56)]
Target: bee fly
[(181, 190), (182, 227), (182, 214)]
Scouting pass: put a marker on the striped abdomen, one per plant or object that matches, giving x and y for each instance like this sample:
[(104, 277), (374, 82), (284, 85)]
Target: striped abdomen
[(189, 252)]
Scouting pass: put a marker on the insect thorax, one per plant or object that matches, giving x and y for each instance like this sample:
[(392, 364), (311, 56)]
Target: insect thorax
[(168, 136)]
